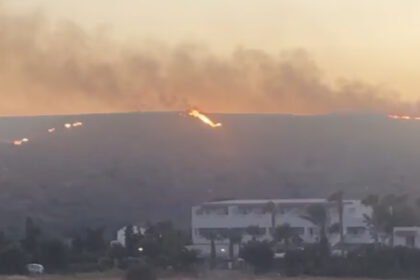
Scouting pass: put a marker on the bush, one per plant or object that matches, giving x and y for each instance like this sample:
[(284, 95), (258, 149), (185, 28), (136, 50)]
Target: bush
[(186, 260), (129, 262), (83, 267), (382, 262), (105, 263), (12, 260), (141, 271), (259, 255), (385, 262), (54, 255)]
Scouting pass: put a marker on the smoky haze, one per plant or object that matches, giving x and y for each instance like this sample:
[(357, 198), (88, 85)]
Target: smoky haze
[(120, 168), (60, 68)]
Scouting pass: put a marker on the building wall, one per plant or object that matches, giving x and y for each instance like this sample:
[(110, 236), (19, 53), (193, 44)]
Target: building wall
[(230, 217), (407, 237), (242, 214), (355, 228)]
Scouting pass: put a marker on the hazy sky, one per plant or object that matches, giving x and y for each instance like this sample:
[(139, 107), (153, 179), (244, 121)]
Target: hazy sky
[(373, 41)]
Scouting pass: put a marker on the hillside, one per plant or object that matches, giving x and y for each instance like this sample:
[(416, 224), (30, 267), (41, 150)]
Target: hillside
[(152, 166)]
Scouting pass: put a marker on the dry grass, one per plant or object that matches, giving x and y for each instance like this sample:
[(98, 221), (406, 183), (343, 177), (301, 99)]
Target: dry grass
[(65, 277), (210, 276)]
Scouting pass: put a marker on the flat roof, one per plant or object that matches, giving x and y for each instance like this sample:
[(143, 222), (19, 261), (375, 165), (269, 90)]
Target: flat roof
[(406, 228), (275, 201)]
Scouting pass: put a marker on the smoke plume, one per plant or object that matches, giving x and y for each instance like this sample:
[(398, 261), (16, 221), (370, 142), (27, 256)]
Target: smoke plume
[(61, 68)]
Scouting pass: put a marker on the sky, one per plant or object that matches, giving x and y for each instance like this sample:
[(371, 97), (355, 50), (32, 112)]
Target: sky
[(370, 45)]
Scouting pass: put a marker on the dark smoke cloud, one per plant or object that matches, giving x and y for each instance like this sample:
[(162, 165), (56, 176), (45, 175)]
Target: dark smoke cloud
[(61, 68)]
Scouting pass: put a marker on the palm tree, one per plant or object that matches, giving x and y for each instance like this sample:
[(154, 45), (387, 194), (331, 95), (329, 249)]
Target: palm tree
[(235, 237), (285, 233), (398, 213), (317, 215), (337, 197), (212, 236), (387, 213), (255, 232), (375, 221), (272, 208)]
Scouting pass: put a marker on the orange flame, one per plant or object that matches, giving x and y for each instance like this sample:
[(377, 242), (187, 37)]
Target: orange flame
[(51, 130), (25, 140), (67, 125), (404, 117), (204, 118), (17, 142), (77, 124)]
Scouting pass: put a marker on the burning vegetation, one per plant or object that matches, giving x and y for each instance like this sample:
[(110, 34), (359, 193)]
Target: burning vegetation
[(205, 119), (20, 142), (404, 117)]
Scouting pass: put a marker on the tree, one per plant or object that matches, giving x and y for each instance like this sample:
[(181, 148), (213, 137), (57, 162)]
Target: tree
[(164, 245), (235, 237), (54, 254), (13, 259), (375, 222), (387, 212), (337, 197), (212, 235), (255, 232), (285, 233), (186, 259), (95, 242), (117, 252), (30, 241), (400, 213), (258, 254), (272, 208), (78, 244), (317, 215), (132, 241)]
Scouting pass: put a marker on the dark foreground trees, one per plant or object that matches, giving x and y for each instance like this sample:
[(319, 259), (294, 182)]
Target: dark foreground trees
[(259, 254), (141, 271), (160, 246), (369, 261)]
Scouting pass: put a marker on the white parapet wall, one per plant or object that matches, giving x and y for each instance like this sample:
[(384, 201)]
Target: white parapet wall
[(241, 214)]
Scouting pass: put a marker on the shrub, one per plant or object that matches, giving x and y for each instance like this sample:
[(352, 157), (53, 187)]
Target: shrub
[(186, 260), (141, 271), (83, 267), (259, 255), (105, 263), (129, 262), (12, 260)]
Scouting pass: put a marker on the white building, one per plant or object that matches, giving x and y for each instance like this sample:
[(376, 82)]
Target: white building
[(241, 214), (407, 237)]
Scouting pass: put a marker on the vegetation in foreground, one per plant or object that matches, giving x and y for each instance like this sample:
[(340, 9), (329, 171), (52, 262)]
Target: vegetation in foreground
[(161, 250)]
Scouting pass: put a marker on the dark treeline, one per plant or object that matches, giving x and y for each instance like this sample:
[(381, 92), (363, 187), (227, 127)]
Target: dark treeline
[(161, 245), (380, 259)]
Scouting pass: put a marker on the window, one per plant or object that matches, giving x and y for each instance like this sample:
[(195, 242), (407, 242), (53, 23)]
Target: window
[(410, 241), (356, 230), (249, 209), (298, 230), (243, 210), (208, 232), (283, 209), (212, 210), (313, 231)]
